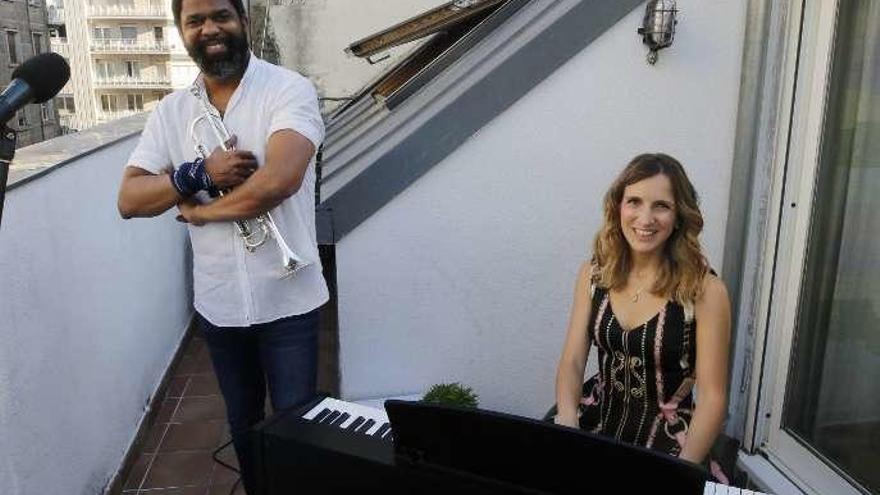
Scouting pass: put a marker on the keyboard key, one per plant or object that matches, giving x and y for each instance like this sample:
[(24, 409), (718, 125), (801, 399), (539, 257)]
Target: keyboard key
[(354, 424), (382, 429), (341, 419), (321, 415), (368, 424), (372, 431), (330, 418), (349, 420)]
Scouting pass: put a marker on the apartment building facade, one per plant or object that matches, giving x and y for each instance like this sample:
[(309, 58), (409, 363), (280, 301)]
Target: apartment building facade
[(24, 29), (124, 57)]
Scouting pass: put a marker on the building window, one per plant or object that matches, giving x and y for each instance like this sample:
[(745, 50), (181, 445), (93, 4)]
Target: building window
[(132, 69), (22, 118), (64, 104), (46, 111), (100, 33), (136, 102), (128, 32), (38, 43), (158, 33), (103, 69), (108, 103), (12, 47)]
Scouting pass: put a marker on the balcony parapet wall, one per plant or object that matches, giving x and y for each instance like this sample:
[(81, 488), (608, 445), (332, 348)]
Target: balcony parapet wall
[(92, 309)]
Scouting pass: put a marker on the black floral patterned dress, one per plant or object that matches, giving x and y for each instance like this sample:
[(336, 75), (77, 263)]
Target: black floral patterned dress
[(642, 393)]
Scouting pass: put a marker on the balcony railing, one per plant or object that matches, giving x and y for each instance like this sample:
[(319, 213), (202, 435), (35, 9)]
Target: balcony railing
[(113, 11), (60, 46), (126, 45), (108, 116), (65, 120), (56, 15), (132, 82)]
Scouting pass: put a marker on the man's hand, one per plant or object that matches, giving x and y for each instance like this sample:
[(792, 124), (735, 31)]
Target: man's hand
[(228, 169), (189, 213)]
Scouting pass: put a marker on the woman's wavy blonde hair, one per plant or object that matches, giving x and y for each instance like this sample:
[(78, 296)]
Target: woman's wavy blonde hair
[(684, 266)]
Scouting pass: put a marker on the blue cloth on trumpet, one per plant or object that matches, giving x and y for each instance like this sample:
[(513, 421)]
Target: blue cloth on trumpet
[(191, 177)]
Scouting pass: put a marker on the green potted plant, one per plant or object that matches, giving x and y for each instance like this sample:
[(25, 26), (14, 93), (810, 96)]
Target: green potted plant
[(454, 394)]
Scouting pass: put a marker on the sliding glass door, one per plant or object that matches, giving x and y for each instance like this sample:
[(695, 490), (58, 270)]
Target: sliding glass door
[(822, 397)]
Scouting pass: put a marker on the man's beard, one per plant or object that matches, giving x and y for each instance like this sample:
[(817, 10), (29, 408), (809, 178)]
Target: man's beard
[(226, 65)]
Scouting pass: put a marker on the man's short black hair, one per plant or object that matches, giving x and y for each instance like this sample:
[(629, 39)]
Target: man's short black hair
[(177, 5)]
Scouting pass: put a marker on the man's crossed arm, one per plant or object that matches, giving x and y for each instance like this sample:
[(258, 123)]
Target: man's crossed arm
[(144, 194)]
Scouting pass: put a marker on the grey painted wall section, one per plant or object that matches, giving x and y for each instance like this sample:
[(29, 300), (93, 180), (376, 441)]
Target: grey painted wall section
[(750, 190), (440, 136), (93, 309)]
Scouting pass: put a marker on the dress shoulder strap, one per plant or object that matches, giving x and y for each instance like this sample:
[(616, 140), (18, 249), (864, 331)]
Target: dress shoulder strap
[(594, 270), (688, 307)]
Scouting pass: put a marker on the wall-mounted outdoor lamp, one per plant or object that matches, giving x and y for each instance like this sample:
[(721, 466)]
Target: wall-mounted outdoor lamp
[(658, 26)]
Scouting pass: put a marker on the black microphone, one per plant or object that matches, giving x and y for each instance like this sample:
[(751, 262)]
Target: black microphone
[(36, 80)]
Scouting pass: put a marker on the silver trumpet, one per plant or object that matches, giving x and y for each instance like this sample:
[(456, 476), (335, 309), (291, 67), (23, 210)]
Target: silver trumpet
[(265, 226)]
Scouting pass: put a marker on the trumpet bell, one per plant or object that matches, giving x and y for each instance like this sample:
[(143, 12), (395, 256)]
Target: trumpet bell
[(292, 267)]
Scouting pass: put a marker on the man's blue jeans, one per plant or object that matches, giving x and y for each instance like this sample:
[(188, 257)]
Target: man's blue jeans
[(282, 353)]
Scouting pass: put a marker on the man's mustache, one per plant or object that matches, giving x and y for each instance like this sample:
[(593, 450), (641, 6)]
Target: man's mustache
[(224, 40), (223, 63)]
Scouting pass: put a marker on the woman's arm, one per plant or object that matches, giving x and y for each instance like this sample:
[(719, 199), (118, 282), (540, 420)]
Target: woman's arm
[(712, 313), (570, 374)]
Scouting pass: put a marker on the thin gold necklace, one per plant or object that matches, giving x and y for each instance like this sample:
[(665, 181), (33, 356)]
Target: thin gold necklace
[(635, 297)]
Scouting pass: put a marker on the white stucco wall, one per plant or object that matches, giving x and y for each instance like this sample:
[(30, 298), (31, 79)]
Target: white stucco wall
[(92, 309), (467, 275)]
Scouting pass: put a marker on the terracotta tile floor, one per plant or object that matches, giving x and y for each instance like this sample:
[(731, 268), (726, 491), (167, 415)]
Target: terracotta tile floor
[(174, 457)]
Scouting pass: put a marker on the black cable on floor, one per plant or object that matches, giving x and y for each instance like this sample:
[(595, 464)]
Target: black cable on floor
[(235, 485), (227, 466)]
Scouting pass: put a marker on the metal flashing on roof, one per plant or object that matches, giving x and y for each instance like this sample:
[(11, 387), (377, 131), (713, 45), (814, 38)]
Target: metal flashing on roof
[(439, 19), (404, 79), (473, 33)]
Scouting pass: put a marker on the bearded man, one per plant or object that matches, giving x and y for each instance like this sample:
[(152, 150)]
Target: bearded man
[(261, 328)]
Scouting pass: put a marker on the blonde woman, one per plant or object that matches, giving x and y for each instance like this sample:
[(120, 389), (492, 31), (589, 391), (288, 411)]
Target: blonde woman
[(658, 317)]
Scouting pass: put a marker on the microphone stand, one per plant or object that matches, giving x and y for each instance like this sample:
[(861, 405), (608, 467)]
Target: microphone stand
[(7, 152)]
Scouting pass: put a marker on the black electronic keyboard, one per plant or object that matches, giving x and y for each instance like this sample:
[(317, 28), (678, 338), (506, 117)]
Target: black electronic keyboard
[(333, 446), (349, 416)]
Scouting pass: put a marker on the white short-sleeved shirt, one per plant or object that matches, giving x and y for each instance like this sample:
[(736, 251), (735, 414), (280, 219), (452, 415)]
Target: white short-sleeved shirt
[(233, 287)]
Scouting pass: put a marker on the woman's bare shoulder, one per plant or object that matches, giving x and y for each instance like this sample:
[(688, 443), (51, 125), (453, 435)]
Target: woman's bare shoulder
[(714, 292)]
